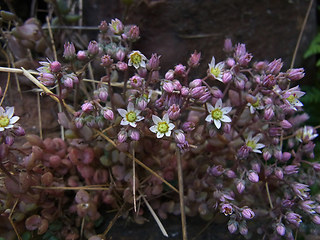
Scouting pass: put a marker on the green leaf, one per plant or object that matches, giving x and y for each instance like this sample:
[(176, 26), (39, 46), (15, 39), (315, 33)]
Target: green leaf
[(314, 47)]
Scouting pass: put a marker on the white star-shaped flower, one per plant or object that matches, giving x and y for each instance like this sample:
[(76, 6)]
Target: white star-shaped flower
[(216, 71), (217, 114), (291, 97), (252, 142), (7, 120), (137, 59), (161, 126), (130, 116)]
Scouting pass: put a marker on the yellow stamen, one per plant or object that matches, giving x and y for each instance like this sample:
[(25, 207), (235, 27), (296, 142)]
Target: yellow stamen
[(216, 114), (163, 127), (4, 121)]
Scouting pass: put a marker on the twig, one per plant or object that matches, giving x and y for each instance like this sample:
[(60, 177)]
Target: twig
[(163, 230), (181, 196), (10, 219), (39, 115), (269, 197), (134, 180), (90, 188), (113, 220), (300, 34), (8, 79)]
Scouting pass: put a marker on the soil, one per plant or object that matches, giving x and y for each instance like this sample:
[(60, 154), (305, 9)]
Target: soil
[(174, 29)]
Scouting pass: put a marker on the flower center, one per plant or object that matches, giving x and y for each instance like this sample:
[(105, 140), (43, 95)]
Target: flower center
[(136, 58), (131, 116), (215, 71), (227, 211), (251, 144), (163, 127), (256, 104), (292, 98), (4, 121), (216, 114)]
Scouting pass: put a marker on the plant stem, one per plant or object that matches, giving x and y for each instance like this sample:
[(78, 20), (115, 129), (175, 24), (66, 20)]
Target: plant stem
[(182, 207)]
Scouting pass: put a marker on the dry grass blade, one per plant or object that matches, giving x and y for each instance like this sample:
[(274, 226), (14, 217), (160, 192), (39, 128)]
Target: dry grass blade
[(8, 79), (90, 188), (163, 230), (113, 220), (134, 181)]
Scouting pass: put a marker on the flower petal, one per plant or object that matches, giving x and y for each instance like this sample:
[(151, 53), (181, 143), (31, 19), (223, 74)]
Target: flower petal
[(154, 129), (14, 119), (210, 108), (218, 103), (1, 129), (217, 123), (209, 118), (171, 126), (226, 110), (260, 145), (139, 118), (160, 135), (168, 133), (133, 124), (166, 118), (10, 111), (124, 122), (256, 151), (156, 119), (122, 112), (130, 107), (225, 118)]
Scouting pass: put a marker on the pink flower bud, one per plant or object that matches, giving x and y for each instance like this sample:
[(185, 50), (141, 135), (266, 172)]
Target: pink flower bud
[(184, 91), (55, 67), (245, 59), (78, 122), (194, 59), (256, 167), (291, 169), (68, 82), (120, 55), (174, 112), (247, 213), (240, 186), (197, 92), (188, 126), (93, 48), (180, 70), (243, 230), (232, 226), (268, 114), (226, 77), (103, 27), (316, 219), (134, 33), (168, 86), (103, 94), (87, 107), (316, 166), (135, 135), (154, 62), (285, 124), (179, 137), (69, 51), (122, 66), (226, 128), (253, 176), (106, 61), (295, 74), (195, 83), (266, 155), (285, 156), (293, 218), (81, 55), (169, 75), (136, 81), (281, 230), (122, 136), (275, 66), (47, 79), (227, 45), (19, 131), (142, 104), (116, 26), (279, 173), (108, 114), (269, 81), (230, 174), (176, 85), (230, 62), (215, 170), (9, 140)]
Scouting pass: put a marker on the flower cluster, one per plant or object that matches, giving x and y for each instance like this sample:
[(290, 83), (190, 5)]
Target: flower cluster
[(237, 129)]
